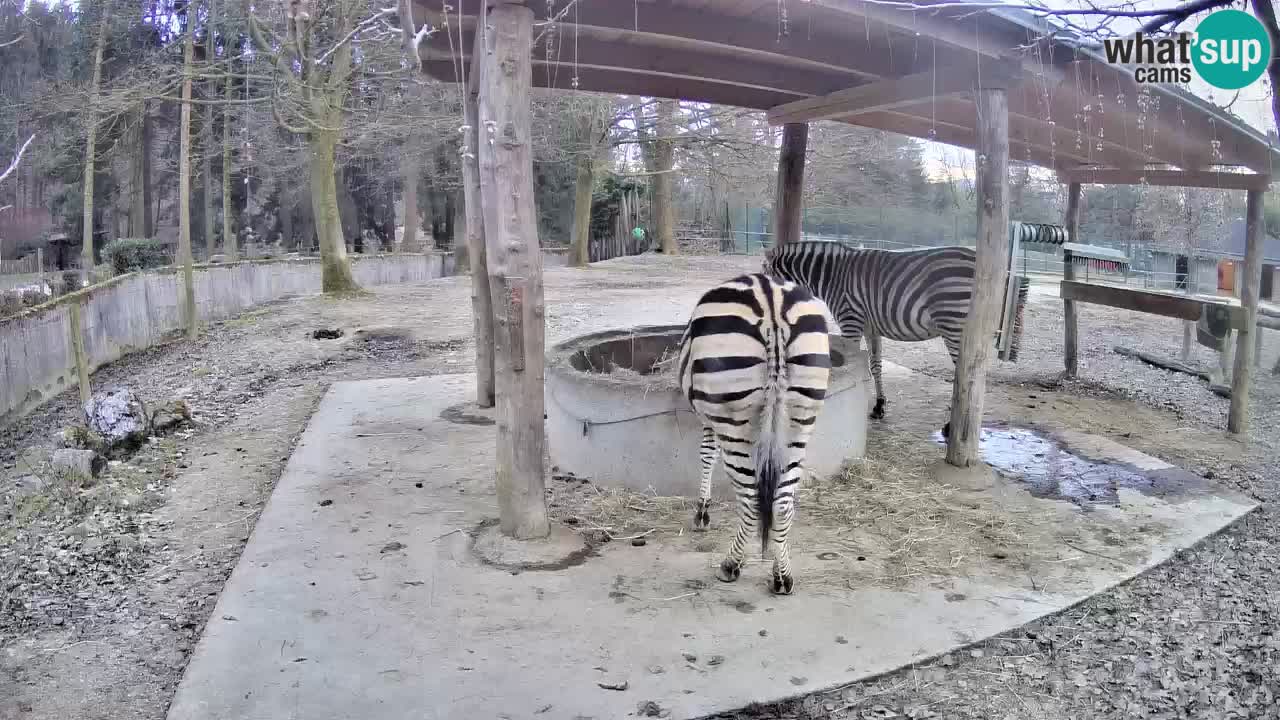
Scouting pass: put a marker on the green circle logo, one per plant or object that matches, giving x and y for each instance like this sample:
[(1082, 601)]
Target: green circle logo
[(1232, 49)]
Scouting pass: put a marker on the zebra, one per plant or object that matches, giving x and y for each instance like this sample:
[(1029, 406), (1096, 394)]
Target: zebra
[(754, 365), (903, 295)]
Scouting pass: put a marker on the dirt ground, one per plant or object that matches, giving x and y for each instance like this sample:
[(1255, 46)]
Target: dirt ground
[(104, 591)]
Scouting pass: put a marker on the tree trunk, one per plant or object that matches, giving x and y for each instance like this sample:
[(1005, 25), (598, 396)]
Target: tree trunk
[(139, 215), (789, 200), (515, 270), (477, 252), (992, 186), (229, 245), (148, 199), (90, 150), (409, 171), (206, 182), (335, 268), (664, 212), (286, 223), (184, 186), (585, 183)]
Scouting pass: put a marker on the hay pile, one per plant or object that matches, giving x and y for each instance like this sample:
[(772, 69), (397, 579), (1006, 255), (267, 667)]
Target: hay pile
[(895, 514), (889, 519)]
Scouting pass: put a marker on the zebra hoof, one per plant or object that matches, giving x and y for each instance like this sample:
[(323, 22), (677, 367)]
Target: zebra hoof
[(702, 516), (877, 413), (729, 571), (781, 584)]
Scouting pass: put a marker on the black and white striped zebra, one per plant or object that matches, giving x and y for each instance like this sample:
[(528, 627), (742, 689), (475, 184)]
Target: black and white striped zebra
[(903, 295), (754, 364)]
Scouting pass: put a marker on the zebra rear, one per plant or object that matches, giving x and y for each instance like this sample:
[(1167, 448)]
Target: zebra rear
[(755, 364)]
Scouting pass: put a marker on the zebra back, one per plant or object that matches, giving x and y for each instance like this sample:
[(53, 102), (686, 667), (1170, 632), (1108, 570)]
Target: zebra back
[(903, 294)]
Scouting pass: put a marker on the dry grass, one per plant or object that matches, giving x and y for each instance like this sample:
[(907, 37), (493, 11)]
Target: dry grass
[(909, 518), (622, 514), (890, 519)]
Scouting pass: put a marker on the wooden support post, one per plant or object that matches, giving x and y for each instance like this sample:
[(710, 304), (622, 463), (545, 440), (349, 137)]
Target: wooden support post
[(77, 351), (481, 297), (1238, 415), (1070, 326), (790, 197), (992, 184), (514, 260)]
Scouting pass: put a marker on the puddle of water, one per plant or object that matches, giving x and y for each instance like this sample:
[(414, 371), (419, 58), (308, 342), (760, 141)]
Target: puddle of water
[(1049, 470)]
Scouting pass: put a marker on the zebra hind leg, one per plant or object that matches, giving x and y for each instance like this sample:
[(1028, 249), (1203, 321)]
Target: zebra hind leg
[(873, 345), (731, 567), (708, 452), (782, 581)]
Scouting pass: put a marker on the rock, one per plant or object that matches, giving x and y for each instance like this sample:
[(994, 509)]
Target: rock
[(83, 464), (79, 436), (28, 485), (326, 334), (170, 415), (120, 417)]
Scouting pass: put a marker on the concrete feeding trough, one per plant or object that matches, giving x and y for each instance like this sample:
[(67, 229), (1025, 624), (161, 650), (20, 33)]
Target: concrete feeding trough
[(615, 413)]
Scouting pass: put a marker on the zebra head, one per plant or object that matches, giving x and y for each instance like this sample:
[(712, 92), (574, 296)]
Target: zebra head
[(772, 265)]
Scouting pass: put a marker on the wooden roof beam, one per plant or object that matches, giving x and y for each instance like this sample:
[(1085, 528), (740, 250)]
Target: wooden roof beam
[(608, 80), (895, 92), (958, 135), (1167, 178), (696, 28), (1053, 137), (967, 34), (631, 56)]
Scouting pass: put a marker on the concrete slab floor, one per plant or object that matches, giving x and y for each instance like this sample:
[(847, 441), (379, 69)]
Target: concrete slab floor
[(359, 596)]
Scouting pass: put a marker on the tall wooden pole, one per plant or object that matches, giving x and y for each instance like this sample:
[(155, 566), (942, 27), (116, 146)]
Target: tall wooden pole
[(1238, 415), (992, 185), (1070, 326), (184, 186), (481, 298), (790, 194), (514, 260), (76, 329)]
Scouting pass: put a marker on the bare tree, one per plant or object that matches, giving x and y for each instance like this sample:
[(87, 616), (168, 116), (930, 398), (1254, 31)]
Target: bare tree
[(91, 149), (316, 86), (17, 159)]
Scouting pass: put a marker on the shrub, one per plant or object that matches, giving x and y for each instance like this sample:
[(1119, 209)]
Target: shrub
[(15, 300), (131, 254)]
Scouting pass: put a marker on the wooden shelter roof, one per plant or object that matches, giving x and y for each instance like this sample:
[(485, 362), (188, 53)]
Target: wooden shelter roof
[(873, 65)]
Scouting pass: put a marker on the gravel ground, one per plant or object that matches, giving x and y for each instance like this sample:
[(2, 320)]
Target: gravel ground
[(1195, 638), (103, 591)]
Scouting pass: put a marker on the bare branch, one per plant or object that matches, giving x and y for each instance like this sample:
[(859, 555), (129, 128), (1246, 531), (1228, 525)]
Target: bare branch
[(17, 158), (1267, 13), (363, 25), (14, 41)]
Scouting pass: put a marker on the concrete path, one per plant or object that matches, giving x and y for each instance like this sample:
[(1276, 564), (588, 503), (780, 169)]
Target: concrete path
[(359, 595)]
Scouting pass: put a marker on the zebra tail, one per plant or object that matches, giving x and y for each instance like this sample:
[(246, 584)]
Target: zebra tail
[(770, 458)]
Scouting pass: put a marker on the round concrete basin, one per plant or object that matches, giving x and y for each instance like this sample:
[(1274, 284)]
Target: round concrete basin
[(615, 413)]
